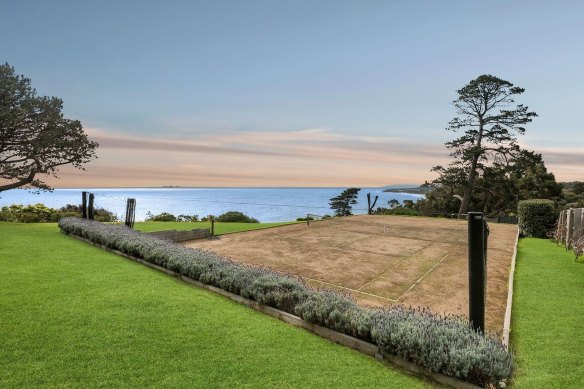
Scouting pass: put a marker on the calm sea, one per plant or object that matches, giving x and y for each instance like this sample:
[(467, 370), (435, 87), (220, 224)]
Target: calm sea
[(264, 204)]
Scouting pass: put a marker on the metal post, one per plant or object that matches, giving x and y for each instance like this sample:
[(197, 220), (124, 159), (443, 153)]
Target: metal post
[(476, 270), (90, 207), (130, 212), (486, 232), (308, 219), (84, 205), (212, 225)]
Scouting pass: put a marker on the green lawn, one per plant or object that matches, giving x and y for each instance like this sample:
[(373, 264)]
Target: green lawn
[(220, 228), (548, 317), (72, 315)]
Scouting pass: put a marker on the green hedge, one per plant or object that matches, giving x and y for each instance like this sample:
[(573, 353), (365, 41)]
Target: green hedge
[(441, 344), (235, 217), (40, 213), (536, 217)]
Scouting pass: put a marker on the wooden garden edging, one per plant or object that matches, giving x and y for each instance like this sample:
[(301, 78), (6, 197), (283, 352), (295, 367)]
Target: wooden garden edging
[(507, 321), (337, 337), (181, 236)]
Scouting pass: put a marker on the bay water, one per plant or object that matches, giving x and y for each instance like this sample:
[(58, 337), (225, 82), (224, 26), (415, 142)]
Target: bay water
[(264, 204)]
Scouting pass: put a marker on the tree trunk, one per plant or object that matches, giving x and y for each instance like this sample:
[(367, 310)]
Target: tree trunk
[(467, 193), (369, 206), (472, 173)]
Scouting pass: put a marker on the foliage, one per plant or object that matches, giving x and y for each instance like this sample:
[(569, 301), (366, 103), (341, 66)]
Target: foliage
[(73, 316), (536, 217), (235, 217), (342, 205), (578, 188), (572, 195), (489, 120), (168, 217), (462, 352), (162, 217), (35, 138), (335, 311), (498, 186), (40, 213), (440, 344), (187, 218)]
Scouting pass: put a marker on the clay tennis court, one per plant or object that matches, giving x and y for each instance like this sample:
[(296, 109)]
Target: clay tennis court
[(381, 260)]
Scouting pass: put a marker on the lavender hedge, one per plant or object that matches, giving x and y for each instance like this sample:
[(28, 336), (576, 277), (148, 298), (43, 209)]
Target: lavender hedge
[(444, 344)]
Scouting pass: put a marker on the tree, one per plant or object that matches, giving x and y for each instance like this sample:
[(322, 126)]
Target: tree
[(35, 138), (342, 205), (393, 203), (490, 121), (498, 187), (578, 187)]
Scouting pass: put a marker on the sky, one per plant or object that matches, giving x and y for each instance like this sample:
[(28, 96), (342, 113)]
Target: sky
[(293, 93)]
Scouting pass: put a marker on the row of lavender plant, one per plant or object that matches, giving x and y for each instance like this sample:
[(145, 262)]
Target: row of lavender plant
[(444, 344)]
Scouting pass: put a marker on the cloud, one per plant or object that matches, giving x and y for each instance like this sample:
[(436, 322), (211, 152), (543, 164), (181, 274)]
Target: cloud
[(308, 157)]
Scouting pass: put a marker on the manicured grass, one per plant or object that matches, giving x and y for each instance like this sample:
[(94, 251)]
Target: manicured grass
[(548, 317), (220, 228), (72, 315)]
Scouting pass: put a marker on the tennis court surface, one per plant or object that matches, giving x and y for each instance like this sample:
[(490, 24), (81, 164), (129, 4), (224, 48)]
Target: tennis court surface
[(381, 260)]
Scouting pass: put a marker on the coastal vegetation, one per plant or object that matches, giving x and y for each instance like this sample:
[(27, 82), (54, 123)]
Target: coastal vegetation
[(227, 217), (342, 205), (35, 138), (40, 213), (489, 121)]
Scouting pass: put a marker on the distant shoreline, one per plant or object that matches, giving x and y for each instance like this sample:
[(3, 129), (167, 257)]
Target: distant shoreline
[(418, 191)]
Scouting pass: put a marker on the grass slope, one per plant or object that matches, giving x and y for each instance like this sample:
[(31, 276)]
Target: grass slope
[(72, 315), (220, 228), (548, 317)]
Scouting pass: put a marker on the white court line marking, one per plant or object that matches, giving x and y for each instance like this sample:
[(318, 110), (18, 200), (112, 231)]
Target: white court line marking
[(352, 290), (428, 272)]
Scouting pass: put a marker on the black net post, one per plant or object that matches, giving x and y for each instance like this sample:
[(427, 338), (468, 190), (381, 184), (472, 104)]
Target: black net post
[(477, 276), (90, 206), (212, 218), (84, 205), (130, 212), (308, 219), (485, 242)]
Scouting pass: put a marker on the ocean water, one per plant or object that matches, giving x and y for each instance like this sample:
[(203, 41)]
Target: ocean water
[(264, 204)]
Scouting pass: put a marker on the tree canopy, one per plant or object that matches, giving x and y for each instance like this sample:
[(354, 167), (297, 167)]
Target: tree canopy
[(498, 187), (489, 121), (342, 204), (35, 138)]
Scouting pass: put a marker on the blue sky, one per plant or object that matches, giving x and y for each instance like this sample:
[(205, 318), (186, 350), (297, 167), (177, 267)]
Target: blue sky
[(328, 85)]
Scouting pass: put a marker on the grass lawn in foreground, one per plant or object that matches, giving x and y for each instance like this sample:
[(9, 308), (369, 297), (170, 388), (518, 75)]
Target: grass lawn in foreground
[(72, 315), (220, 228), (548, 317)]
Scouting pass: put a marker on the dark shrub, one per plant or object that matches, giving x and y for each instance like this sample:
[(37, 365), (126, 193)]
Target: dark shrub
[(163, 217), (536, 217), (235, 217)]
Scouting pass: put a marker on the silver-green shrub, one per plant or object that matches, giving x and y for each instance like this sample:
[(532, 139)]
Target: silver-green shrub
[(445, 344), (335, 311)]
